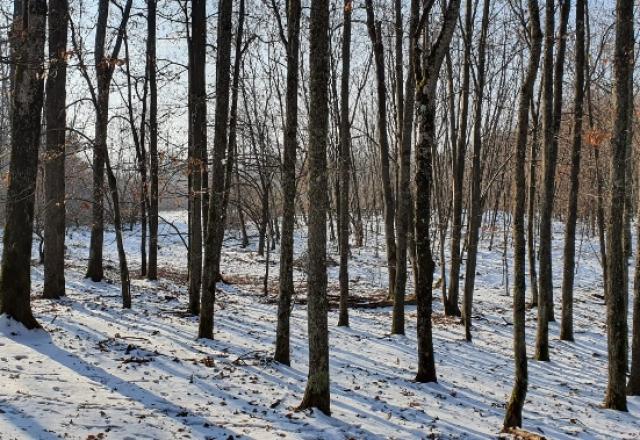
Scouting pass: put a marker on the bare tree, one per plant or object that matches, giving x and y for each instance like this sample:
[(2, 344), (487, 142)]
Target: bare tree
[(345, 167), (215, 226), (198, 147), (513, 415), (616, 288), (566, 329), (428, 61), (104, 67), (403, 212), (375, 35), (54, 187), (27, 42), (316, 393), (152, 272), (475, 216)]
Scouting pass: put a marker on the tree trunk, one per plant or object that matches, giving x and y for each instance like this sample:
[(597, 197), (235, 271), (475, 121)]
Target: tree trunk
[(286, 289), (513, 415), (215, 217), (404, 190), (375, 34), (104, 67), (616, 289), (548, 177), (427, 67), (531, 211), (633, 386), (198, 100), (27, 41), (451, 307), (54, 184), (566, 328), (475, 217), (316, 393), (152, 272), (345, 168)]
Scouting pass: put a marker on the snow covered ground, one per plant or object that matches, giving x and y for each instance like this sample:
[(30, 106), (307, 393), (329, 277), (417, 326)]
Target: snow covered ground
[(101, 372)]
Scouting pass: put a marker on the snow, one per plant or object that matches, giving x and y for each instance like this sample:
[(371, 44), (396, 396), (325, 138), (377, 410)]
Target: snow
[(101, 372)]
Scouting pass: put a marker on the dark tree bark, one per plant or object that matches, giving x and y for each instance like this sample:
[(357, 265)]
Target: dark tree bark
[(27, 44), (316, 393), (198, 101), (288, 185), (104, 67), (404, 190), (375, 34), (141, 155), (633, 385), (566, 328), (345, 167), (54, 157), (545, 298), (152, 272), (513, 415), (475, 217), (215, 217), (616, 289), (531, 208), (451, 307), (427, 67)]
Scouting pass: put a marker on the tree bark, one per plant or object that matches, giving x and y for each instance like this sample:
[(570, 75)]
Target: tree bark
[(345, 167), (198, 101), (545, 297), (104, 68), (531, 209), (404, 190), (616, 289), (286, 289), (566, 328), (427, 67), (375, 34), (215, 217), (317, 392), (513, 415), (27, 41), (54, 157), (451, 307), (152, 272), (475, 217)]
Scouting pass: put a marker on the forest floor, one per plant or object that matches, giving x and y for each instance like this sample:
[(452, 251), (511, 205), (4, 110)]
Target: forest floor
[(100, 372)]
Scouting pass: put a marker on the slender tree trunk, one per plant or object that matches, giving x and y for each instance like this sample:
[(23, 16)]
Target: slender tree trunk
[(531, 210), (548, 176), (616, 291), (633, 385), (317, 392), (566, 328), (375, 34), (451, 307), (427, 67), (104, 67), (345, 168), (198, 123), (404, 190), (215, 216), (286, 289), (475, 217), (152, 273), (54, 184), (513, 415), (27, 42)]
